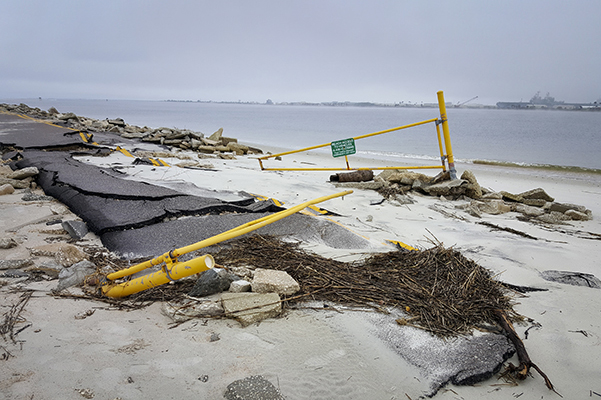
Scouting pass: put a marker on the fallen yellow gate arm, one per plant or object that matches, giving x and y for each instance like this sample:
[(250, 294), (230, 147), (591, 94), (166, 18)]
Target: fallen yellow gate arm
[(260, 159), (173, 269)]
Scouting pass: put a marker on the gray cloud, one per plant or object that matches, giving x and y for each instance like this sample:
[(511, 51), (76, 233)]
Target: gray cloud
[(383, 51)]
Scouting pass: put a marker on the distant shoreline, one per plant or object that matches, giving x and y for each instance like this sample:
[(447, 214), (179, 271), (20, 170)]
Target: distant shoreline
[(499, 105)]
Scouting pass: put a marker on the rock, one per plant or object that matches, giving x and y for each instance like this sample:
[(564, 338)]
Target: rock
[(67, 116), (492, 196), (7, 243), (274, 281), (133, 135), (441, 177), (511, 197), (75, 275), (195, 143), (419, 185), (473, 189), (529, 210), (188, 309), (448, 188), (243, 272), (240, 286), (537, 193), (206, 149), (15, 264), (403, 177), (53, 111), (24, 173), (227, 140), (117, 122), (59, 209), (577, 215), (7, 188), (237, 148), (572, 278), (361, 185), (252, 388), (5, 170), (214, 280), (248, 308), (76, 229), (216, 136), (36, 197), (210, 142), (553, 217), (535, 202), (69, 254), (563, 207), (493, 207), (65, 254), (15, 183)]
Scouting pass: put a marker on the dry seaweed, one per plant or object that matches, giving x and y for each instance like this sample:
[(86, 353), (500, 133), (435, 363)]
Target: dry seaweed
[(13, 316), (443, 291)]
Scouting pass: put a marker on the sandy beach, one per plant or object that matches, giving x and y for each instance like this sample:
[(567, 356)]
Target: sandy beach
[(75, 349)]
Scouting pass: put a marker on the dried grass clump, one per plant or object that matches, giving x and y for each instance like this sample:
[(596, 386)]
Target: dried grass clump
[(444, 292)]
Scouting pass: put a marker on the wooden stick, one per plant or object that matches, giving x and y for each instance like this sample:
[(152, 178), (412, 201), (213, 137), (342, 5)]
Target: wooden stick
[(522, 371)]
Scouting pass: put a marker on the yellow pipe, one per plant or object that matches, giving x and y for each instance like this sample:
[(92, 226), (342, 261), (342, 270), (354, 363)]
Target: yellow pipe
[(177, 271), (356, 169), (256, 224), (447, 135), (355, 138), (232, 233), (442, 157)]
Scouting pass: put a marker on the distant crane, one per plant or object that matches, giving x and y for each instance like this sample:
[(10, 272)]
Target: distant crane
[(465, 102)]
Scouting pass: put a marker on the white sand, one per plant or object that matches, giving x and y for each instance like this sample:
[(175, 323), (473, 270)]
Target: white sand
[(317, 355)]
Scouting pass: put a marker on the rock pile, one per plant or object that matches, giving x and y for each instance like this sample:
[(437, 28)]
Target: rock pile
[(250, 295), (395, 185), (184, 139), (18, 179)]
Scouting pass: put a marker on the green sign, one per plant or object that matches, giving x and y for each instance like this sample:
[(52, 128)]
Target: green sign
[(344, 147)]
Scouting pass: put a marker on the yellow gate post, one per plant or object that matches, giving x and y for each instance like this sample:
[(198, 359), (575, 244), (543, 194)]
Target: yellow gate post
[(446, 134)]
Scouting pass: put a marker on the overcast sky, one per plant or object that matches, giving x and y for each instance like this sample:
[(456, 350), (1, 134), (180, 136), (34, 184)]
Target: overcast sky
[(346, 50)]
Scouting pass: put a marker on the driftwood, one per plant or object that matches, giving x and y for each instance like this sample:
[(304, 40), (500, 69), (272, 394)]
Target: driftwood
[(522, 371), (506, 229), (362, 175)]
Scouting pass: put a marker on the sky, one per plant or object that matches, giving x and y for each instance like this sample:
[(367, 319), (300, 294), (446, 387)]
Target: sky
[(310, 50)]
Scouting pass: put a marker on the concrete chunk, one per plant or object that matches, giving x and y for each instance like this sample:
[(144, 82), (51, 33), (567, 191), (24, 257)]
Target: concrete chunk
[(269, 280), (538, 194), (248, 308), (240, 286)]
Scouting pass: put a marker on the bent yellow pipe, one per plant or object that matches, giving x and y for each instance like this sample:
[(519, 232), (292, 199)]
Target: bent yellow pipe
[(171, 256), (177, 271)]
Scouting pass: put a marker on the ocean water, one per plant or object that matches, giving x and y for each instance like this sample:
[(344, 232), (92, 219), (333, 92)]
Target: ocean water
[(568, 140)]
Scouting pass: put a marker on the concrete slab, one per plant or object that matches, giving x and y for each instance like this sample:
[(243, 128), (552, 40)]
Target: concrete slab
[(248, 308)]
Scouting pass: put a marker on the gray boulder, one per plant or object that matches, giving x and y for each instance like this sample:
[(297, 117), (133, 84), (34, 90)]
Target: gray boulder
[(252, 388), (214, 280)]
